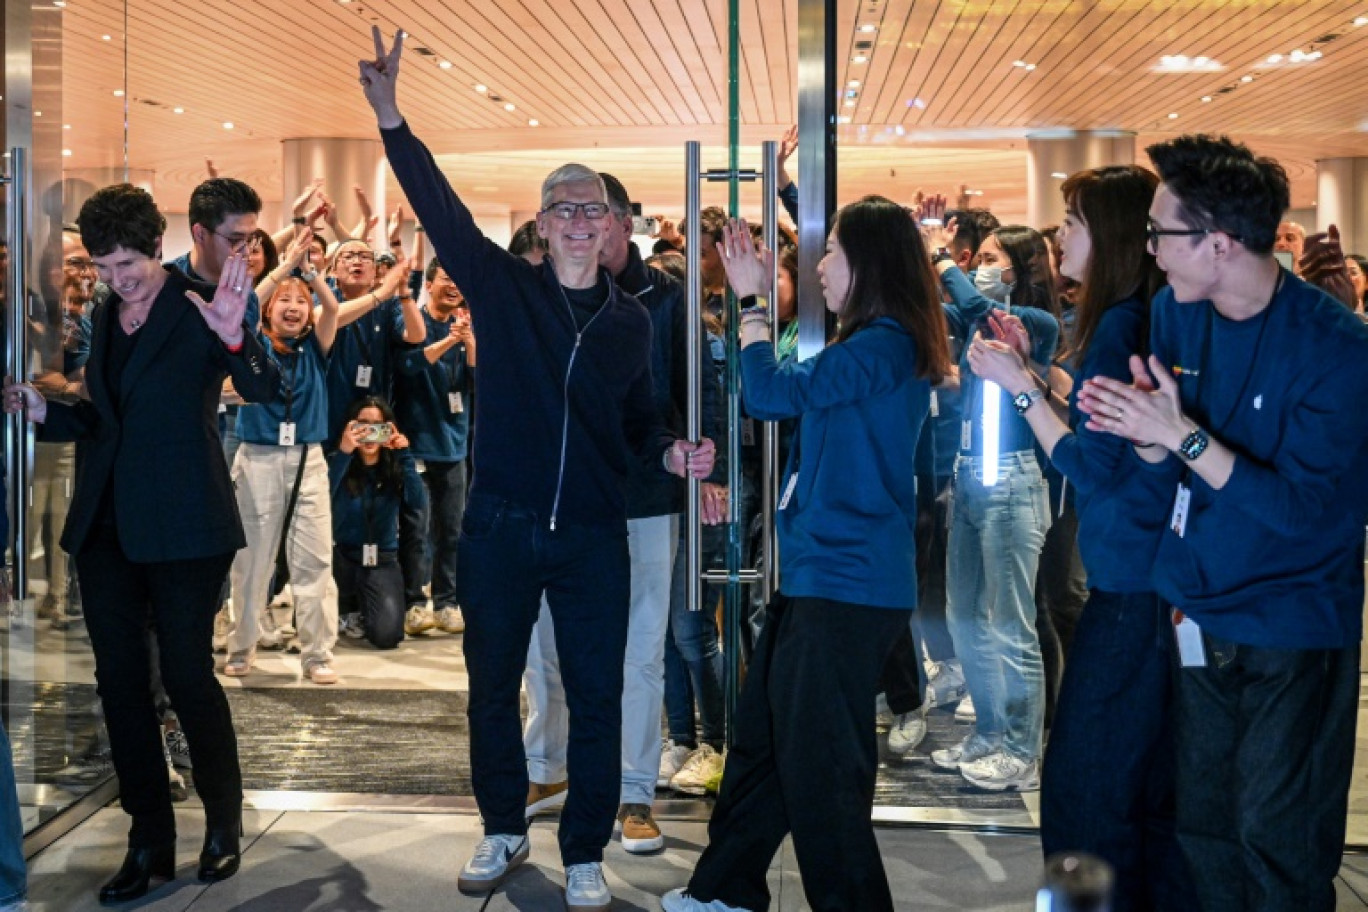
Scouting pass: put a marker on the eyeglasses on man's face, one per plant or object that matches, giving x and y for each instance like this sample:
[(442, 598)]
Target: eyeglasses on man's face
[(356, 256), (566, 211), (1153, 233), (238, 243), (79, 264)]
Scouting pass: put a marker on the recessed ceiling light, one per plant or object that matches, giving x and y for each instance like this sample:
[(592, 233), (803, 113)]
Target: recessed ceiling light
[(1361, 21), (445, 64), (1173, 115), (1206, 98), (66, 126), (534, 123), (106, 37), (1246, 78), (1277, 58), (1058, 175), (481, 88), (854, 83), (66, 153), (227, 125), (916, 103), (869, 28), (118, 93), (859, 58), (1021, 64), (37, 113), (509, 107), (1181, 63), (843, 119), (59, 3), (850, 103), (178, 110), (899, 129)]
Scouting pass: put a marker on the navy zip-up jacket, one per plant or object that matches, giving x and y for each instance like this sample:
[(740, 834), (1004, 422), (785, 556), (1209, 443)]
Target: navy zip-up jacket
[(847, 522), (1275, 558), (561, 411), (1122, 510), (649, 491)]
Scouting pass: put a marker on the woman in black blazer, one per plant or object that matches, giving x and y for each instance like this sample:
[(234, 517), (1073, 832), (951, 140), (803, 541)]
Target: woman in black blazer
[(153, 524)]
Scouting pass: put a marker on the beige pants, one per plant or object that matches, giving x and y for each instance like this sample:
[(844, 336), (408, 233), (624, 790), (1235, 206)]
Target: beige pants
[(264, 476)]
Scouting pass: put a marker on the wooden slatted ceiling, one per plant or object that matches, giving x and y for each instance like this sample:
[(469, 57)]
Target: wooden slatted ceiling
[(625, 76)]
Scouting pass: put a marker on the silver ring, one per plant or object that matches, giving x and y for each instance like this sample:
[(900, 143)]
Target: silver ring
[(237, 288)]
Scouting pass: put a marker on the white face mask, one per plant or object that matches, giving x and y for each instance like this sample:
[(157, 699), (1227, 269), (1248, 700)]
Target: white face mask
[(988, 280)]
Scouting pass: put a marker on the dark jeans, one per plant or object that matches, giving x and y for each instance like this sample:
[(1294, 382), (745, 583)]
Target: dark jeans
[(180, 598), (376, 593), (509, 558), (693, 658), (1265, 753), (932, 533), (1107, 786), (428, 538), (1060, 593), (803, 761)]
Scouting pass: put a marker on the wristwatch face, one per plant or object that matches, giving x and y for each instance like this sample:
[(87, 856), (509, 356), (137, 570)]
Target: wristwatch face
[(1022, 402), (1194, 445)]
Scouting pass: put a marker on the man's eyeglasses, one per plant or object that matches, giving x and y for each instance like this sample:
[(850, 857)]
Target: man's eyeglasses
[(356, 256), (566, 211), (1153, 233), (79, 265), (240, 242)]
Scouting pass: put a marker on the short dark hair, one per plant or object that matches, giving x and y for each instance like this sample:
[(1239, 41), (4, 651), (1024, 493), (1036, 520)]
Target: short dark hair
[(1222, 186), (526, 239), (219, 197), (972, 226), (121, 215), (618, 199), (430, 273), (663, 246)]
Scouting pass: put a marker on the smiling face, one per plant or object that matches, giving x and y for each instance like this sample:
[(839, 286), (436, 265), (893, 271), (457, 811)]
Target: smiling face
[(443, 295), (354, 268), (133, 276), (289, 310), (834, 272), (579, 239), (215, 246), (78, 272)]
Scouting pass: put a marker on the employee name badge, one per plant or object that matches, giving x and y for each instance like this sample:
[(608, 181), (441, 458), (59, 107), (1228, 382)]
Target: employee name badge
[(287, 433), (363, 376), (1191, 651), (457, 404), (1181, 504), (966, 434), (370, 555), (788, 491), (935, 405), (748, 432)]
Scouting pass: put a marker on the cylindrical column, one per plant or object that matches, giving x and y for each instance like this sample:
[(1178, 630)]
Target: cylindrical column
[(343, 164), (1342, 200), (1053, 156)]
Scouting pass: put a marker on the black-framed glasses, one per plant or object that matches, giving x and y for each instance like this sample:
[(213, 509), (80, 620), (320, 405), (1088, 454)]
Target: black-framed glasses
[(1153, 233), (78, 264), (240, 242), (566, 211), (364, 256)]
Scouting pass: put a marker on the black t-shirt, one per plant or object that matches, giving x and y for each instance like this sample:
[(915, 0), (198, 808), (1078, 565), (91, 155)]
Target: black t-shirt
[(117, 353), (585, 303)]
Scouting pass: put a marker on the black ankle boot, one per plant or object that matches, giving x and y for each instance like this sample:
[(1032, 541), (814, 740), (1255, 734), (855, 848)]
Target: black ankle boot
[(140, 868), (222, 852)]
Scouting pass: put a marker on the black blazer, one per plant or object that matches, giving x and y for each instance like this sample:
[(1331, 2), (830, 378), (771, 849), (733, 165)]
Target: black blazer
[(160, 449)]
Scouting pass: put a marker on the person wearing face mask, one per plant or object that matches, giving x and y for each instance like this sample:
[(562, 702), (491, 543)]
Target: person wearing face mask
[(1108, 781), (848, 565), (999, 513), (282, 482)]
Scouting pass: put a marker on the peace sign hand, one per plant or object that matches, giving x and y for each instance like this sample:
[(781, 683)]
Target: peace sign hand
[(225, 313), (380, 77)]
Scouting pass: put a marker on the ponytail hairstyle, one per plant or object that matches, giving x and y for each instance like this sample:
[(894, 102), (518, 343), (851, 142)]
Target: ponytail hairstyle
[(891, 276)]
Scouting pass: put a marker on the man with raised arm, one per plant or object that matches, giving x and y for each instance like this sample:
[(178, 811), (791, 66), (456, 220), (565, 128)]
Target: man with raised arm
[(564, 402)]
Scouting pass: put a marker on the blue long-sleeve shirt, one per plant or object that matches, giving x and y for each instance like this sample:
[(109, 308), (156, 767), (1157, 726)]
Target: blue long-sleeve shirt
[(1275, 558), (436, 425), (966, 315), (370, 517), (848, 513), (1122, 510)]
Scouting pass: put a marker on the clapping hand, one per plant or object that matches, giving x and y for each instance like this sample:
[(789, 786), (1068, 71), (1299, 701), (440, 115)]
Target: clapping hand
[(224, 315)]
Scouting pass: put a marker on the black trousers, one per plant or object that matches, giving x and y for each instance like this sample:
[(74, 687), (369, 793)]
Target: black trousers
[(804, 761), (180, 599), (900, 680)]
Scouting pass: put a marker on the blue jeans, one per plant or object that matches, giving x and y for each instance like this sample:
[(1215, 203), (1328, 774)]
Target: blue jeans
[(996, 534), (1107, 787), (1265, 754), (13, 877), (508, 559), (693, 658)]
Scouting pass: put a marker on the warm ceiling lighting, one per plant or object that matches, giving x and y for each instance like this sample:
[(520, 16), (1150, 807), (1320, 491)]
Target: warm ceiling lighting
[(1058, 175), (118, 93), (850, 103), (1181, 63), (106, 37), (482, 89), (854, 83), (1206, 98), (534, 123), (178, 110), (916, 103), (510, 107), (66, 153), (869, 28), (1173, 116), (843, 119), (1246, 79), (66, 126), (1023, 65), (1361, 21), (445, 64), (227, 125), (859, 58), (59, 3)]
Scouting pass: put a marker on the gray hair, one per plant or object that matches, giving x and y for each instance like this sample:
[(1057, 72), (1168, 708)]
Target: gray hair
[(571, 173)]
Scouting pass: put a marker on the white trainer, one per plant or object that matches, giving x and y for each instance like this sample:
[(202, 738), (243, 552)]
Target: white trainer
[(967, 751), (449, 620), (908, 730), (1001, 772), (419, 619), (585, 888), (494, 857), (702, 770), (672, 757), (965, 712), (680, 901), (945, 682)]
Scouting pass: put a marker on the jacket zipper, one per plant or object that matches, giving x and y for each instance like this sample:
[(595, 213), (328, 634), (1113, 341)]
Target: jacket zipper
[(565, 395)]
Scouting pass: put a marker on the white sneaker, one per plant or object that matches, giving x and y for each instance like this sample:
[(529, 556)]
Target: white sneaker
[(351, 627), (703, 768), (1000, 772), (419, 619), (883, 715), (672, 757), (585, 888), (967, 751), (965, 712), (449, 620), (945, 682), (494, 857), (223, 628), (680, 901), (907, 732)]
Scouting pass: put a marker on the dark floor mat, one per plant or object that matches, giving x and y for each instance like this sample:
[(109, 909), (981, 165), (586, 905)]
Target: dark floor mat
[(914, 781)]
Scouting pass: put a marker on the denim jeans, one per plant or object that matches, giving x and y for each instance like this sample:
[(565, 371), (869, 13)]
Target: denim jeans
[(509, 558), (1265, 753), (1107, 786), (13, 879), (996, 534), (693, 659), (376, 593)]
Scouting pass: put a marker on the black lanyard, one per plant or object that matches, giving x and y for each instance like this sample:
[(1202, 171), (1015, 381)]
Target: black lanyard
[(368, 505), (289, 384), (1203, 389)]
